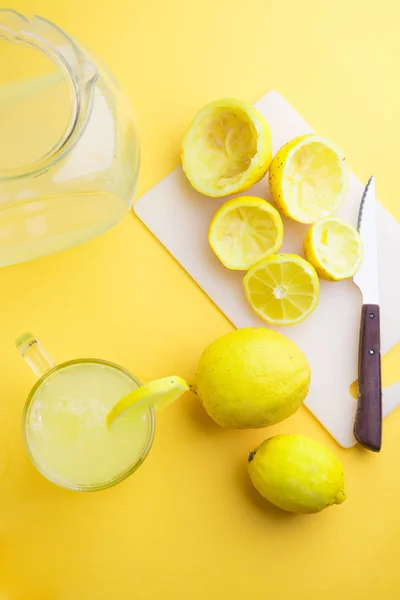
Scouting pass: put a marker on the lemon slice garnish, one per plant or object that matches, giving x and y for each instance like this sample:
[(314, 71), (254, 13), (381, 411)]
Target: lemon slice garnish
[(227, 148), (282, 289), (245, 230), (158, 393), (308, 179), (334, 248)]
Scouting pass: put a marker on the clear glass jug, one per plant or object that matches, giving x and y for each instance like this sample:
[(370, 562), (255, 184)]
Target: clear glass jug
[(69, 154), (64, 421)]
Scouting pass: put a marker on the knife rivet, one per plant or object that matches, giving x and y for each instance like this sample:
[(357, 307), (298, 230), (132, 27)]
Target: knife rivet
[(371, 315), (372, 352)]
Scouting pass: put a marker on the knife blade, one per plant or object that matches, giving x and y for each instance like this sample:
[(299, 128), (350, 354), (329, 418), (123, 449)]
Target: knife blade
[(368, 420)]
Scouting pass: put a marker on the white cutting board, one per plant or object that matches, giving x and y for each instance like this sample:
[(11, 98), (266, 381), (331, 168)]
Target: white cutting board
[(179, 217)]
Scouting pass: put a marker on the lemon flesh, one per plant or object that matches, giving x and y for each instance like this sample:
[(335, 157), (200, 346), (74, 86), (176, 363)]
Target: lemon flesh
[(334, 248), (282, 289), (227, 148), (158, 393), (245, 230), (252, 378), (308, 179), (297, 474)]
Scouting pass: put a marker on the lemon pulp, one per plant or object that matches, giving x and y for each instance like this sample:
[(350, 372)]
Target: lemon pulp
[(282, 289), (334, 248), (245, 230), (157, 394), (227, 148), (308, 179)]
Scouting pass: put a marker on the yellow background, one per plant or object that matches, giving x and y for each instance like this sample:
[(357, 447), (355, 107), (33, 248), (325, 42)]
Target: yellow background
[(188, 525)]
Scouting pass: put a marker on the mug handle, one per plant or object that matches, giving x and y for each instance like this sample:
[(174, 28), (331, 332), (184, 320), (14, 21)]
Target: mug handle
[(34, 354)]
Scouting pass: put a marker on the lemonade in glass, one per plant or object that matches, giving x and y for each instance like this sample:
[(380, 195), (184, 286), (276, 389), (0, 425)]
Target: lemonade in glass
[(64, 421)]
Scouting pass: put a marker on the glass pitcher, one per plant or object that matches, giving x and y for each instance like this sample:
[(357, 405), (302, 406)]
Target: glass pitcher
[(64, 421), (69, 154)]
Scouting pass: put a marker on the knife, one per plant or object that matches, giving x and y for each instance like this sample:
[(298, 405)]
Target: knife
[(368, 420)]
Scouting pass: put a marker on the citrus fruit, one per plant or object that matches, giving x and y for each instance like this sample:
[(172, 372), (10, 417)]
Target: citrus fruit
[(308, 178), (158, 393), (283, 289), (245, 230), (227, 148), (252, 378), (334, 248), (297, 474)]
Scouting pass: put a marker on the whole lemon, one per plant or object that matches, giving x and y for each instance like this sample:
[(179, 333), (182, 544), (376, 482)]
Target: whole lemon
[(252, 378), (297, 474)]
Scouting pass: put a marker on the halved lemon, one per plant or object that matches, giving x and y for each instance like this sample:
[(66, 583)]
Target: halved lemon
[(282, 289), (245, 230), (334, 248), (158, 393), (227, 148), (308, 179)]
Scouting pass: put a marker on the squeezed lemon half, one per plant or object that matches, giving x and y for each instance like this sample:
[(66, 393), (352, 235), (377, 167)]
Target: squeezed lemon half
[(227, 148), (245, 230), (283, 289), (308, 179), (334, 248), (158, 393)]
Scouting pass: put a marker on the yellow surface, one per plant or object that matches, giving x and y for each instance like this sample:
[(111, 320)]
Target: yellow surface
[(188, 525)]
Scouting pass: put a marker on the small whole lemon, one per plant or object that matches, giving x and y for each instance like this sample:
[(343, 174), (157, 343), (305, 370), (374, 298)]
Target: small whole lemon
[(297, 474), (252, 378)]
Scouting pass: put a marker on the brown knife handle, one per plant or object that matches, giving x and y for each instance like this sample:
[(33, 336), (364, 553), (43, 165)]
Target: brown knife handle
[(368, 421)]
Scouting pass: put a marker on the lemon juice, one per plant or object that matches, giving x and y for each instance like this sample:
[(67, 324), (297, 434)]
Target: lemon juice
[(69, 152), (42, 215), (65, 426)]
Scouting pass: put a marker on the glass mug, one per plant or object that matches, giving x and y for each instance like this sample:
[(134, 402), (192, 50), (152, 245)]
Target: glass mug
[(64, 421), (69, 152)]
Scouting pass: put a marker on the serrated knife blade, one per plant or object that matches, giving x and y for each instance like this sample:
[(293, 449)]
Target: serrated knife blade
[(366, 277)]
